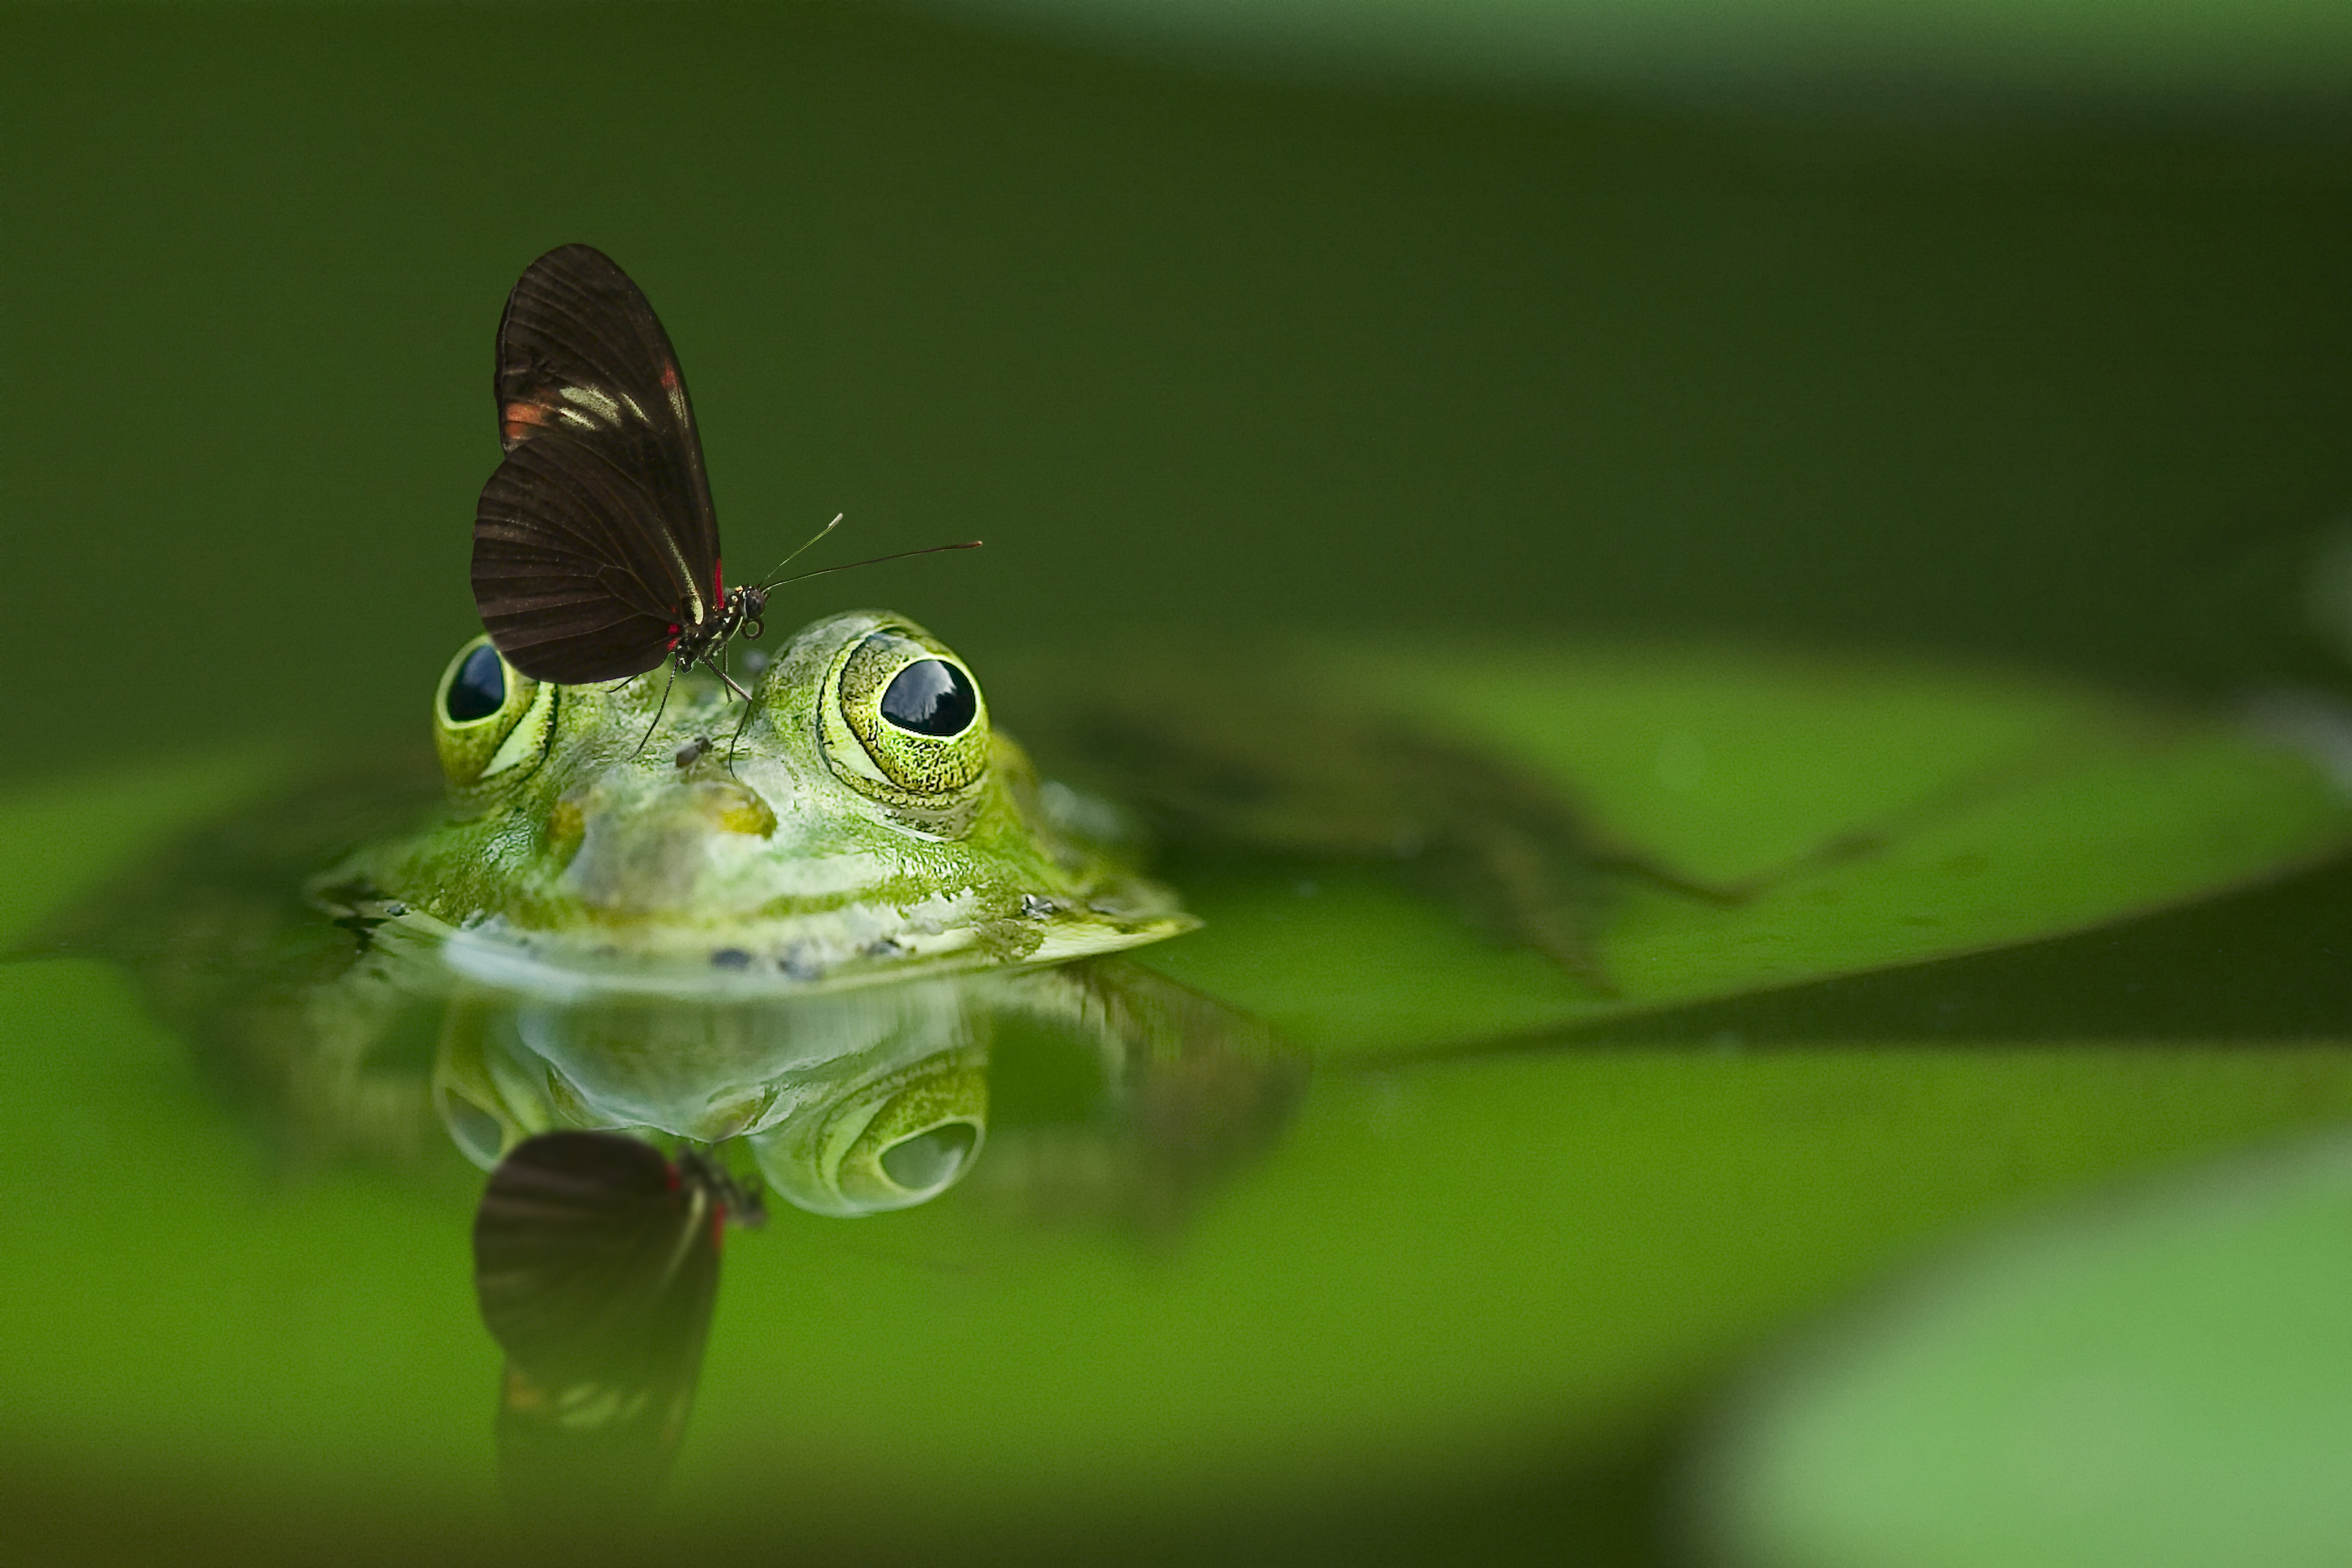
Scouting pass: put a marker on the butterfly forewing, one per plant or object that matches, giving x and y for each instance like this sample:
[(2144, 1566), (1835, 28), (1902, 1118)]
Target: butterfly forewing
[(595, 541)]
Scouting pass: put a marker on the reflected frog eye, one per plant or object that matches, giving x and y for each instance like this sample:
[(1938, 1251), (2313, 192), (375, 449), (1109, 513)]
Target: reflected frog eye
[(930, 1160), (490, 721), (888, 1143), (905, 725)]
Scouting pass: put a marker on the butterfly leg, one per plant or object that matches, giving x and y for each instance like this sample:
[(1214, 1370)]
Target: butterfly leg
[(740, 725), (660, 708)]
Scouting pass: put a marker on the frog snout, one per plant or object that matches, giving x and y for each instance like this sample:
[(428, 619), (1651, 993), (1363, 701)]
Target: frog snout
[(650, 854)]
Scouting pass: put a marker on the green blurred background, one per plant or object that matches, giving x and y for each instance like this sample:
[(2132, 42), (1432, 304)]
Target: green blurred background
[(2037, 376), (1987, 331)]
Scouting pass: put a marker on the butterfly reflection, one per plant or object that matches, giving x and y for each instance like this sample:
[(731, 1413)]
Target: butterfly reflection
[(597, 1266)]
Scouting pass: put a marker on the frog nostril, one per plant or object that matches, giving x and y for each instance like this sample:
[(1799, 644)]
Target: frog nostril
[(931, 1159)]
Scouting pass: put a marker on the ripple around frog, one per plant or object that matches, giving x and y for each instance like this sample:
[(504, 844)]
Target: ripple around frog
[(369, 1031), (349, 1036)]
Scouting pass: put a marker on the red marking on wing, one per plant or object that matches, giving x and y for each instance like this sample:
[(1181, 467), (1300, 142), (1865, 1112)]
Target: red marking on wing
[(717, 583), (670, 376), (519, 419)]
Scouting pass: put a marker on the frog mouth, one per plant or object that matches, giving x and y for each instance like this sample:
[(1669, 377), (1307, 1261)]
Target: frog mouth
[(852, 945)]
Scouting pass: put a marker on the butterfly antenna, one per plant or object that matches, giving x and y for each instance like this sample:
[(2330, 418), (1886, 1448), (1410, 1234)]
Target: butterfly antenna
[(804, 550), (872, 561)]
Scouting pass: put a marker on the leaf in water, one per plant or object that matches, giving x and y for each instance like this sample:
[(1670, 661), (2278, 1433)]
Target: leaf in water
[(1888, 814), (1447, 1272), (2159, 1381)]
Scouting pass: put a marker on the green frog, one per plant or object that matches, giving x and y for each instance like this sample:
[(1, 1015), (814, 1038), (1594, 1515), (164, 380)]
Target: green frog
[(859, 822)]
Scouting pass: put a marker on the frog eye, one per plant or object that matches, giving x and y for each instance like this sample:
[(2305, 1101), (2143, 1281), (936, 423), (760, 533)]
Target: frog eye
[(911, 730), (488, 718), (476, 687), (930, 697)]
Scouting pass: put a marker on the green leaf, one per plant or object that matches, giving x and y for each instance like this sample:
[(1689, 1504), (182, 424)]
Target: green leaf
[(2163, 1380), (1889, 813)]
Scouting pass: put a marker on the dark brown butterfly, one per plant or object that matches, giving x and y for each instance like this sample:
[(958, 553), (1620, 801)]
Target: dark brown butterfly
[(596, 1267), (595, 545)]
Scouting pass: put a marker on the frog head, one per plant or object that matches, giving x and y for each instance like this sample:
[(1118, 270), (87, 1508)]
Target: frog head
[(858, 819)]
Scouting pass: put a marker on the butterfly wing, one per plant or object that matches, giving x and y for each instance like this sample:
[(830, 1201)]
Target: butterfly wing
[(596, 540), (596, 1266)]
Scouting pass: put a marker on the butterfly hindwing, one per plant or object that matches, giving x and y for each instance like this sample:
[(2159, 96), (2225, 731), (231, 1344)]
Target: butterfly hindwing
[(571, 584), (590, 1248)]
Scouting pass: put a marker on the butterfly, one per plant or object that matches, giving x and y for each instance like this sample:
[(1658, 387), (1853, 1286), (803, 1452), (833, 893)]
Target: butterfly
[(595, 545), (597, 1269)]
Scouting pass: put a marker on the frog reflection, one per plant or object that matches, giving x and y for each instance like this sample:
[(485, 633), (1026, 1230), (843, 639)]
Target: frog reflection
[(877, 1098), (847, 1103), (870, 1099)]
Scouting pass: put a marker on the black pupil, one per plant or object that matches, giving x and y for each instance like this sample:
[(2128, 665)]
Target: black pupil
[(480, 689), (931, 697)]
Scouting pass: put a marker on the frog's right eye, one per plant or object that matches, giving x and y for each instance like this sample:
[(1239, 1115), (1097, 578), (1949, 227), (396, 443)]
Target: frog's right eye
[(490, 721), (478, 687), (904, 724)]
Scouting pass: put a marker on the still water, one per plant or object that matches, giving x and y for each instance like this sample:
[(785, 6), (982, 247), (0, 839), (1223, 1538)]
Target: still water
[(1739, 692)]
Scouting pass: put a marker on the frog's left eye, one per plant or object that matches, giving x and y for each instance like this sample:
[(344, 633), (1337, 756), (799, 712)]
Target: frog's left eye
[(905, 725), (488, 718)]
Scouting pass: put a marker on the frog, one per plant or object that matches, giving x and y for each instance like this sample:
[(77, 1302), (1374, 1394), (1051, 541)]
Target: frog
[(862, 823)]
